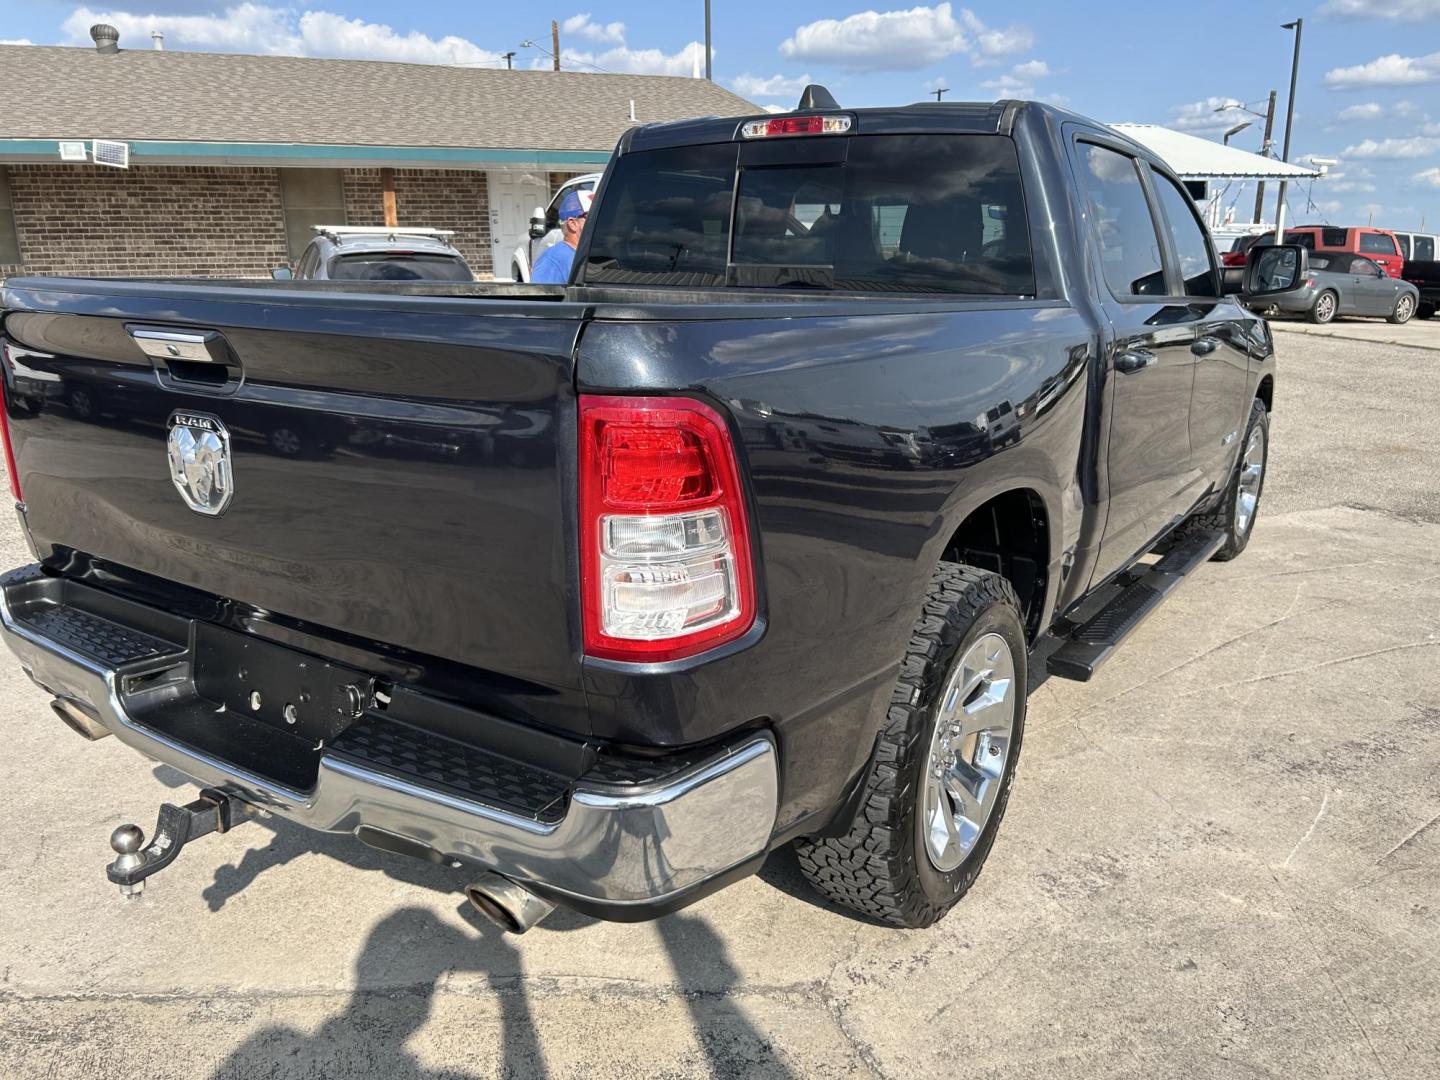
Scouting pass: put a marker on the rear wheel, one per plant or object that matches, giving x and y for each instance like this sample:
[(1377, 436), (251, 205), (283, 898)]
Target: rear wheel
[(944, 764), (1425, 311), (1404, 308), (1323, 309), (1235, 516)]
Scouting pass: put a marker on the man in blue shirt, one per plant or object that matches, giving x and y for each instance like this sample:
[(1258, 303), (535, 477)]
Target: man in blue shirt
[(553, 267)]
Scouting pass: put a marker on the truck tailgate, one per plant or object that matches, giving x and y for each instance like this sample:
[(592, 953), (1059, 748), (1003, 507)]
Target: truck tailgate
[(393, 459)]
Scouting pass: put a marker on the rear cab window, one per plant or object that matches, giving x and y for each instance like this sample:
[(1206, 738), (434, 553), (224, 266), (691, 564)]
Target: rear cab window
[(930, 214)]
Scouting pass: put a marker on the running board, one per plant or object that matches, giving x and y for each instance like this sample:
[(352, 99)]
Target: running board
[(1090, 645)]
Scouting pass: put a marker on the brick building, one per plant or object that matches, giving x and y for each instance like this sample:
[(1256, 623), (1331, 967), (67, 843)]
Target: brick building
[(233, 158)]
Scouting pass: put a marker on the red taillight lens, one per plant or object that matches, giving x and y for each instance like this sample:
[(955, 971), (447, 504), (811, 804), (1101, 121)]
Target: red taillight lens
[(665, 544), (10, 467)]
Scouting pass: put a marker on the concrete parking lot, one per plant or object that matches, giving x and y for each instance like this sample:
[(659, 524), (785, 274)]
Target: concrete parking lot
[(1222, 859)]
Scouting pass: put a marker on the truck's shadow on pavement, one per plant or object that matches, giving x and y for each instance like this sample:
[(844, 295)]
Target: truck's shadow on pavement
[(410, 952)]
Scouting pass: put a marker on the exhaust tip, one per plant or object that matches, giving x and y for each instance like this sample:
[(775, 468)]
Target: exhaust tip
[(507, 904), (79, 721)]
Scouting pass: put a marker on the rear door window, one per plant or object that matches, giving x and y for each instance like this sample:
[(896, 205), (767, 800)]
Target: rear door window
[(885, 213), (1424, 249), (1120, 216), (1374, 243)]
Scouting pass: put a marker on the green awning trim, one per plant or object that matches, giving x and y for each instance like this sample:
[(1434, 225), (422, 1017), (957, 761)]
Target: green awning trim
[(200, 153)]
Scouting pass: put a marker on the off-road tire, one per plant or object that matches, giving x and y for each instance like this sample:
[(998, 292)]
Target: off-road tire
[(1224, 518), (1321, 313), (880, 867), (1404, 309)]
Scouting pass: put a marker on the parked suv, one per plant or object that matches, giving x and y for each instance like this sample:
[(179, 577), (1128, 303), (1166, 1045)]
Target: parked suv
[(545, 227), (378, 253)]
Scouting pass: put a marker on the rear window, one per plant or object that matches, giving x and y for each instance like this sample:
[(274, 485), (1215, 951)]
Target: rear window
[(1424, 249), (1336, 238), (394, 266), (899, 213), (1374, 243)]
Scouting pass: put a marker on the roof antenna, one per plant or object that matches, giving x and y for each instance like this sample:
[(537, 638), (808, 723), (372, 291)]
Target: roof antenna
[(816, 96)]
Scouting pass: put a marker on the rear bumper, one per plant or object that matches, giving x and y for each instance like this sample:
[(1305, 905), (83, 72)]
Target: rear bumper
[(621, 850)]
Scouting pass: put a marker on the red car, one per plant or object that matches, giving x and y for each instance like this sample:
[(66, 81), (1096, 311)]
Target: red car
[(1378, 245)]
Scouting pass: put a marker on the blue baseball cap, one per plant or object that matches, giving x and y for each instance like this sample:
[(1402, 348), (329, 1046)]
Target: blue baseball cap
[(575, 204)]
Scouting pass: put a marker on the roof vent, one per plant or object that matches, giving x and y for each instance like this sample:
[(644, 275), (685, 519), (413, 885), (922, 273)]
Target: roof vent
[(106, 38)]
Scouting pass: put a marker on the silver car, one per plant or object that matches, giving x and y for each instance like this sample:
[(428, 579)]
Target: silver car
[(1340, 283), (378, 253)]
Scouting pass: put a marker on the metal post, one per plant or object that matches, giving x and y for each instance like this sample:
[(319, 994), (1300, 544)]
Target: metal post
[(555, 42), (1265, 152), (1297, 26), (707, 40)]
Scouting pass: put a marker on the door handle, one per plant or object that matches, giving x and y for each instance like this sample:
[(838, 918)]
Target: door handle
[(1205, 346), (1134, 360)]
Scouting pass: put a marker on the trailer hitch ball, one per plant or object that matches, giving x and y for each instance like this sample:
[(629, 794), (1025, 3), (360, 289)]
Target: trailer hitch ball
[(126, 841)]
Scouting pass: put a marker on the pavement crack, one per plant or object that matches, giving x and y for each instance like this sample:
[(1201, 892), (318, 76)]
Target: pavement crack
[(1324, 802), (1414, 835)]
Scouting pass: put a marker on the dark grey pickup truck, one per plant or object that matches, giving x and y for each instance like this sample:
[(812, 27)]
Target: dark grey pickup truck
[(849, 423)]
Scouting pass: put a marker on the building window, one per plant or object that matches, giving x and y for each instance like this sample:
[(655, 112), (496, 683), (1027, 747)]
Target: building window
[(9, 234), (310, 197)]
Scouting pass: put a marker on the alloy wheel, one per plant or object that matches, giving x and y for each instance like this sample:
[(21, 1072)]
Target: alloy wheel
[(969, 751), (1252, 475), (1404, 308)]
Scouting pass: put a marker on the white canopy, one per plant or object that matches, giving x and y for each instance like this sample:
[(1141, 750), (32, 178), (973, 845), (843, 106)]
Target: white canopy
[(1194, 158)]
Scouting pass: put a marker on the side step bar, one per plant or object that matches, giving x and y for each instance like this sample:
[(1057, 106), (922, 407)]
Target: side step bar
[(1090, 645)]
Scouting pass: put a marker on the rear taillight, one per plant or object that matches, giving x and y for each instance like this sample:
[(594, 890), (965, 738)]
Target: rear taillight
[(1309, 282), (10, 469), (795, 125), (664, 545)]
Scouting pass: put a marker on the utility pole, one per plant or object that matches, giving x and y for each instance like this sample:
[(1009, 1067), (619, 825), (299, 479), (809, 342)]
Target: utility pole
[(1265, 152), (555, 42), (1298, 25), (509, 61), (708, 74), (940, 90)]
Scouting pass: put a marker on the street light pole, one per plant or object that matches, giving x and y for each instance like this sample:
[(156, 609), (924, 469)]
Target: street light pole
[(707, 41), (1236, 130), (1298, 25), (1265, 152)]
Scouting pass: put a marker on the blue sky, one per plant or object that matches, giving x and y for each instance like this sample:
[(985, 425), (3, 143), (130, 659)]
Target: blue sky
[(1369, 91)]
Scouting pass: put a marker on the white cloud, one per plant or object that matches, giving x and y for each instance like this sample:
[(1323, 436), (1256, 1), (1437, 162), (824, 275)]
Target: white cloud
[(1032, 69), (328, 34), (880, 40), (1393, 149), (1351, 113), (1328, 206), (753, 86), (994, 44), (1392, 10), (1428, 177), (1212, 114), (258, 28), (1019, 82), (624, 60), (583, 26), (16, 41), (1389, 70), (1430, 129)]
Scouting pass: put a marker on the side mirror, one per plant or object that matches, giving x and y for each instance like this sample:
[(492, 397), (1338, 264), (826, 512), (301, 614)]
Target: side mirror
[(537, 223), (281, 273), (1274, 269)]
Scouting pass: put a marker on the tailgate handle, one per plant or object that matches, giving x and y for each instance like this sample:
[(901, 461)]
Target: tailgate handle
[(189, 359)]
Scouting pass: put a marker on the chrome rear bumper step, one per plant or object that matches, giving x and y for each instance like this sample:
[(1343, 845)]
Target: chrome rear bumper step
[(621, 840)]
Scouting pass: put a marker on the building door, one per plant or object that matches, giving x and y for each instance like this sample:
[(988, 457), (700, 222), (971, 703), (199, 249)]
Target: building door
[(513, 198)]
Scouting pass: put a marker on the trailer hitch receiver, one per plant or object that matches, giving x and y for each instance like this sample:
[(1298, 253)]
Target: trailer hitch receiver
[(213, 811)]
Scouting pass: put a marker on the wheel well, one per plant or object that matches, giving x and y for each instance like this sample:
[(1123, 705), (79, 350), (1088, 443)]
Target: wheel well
[(1010, 536), (1266, 393)]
